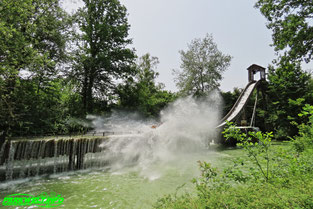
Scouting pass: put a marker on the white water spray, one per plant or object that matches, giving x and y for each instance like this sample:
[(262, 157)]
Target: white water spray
[(187, 127)]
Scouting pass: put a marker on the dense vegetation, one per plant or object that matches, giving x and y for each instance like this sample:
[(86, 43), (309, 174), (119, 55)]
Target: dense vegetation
[(291, 23), (141, 93), (55, 68)]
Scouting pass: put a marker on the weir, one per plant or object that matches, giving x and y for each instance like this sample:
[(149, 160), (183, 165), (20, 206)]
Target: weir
[(25, 158)]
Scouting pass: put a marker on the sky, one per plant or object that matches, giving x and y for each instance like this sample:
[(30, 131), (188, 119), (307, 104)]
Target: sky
[(163, 27)]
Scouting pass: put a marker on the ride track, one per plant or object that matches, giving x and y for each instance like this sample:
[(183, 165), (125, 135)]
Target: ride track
[(240, 103)]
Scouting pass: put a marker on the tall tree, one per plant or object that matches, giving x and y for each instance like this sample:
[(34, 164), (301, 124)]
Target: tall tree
[(288, 90), (102, 53), (202, 67), (32, 39), (291, 23), (289, 86)]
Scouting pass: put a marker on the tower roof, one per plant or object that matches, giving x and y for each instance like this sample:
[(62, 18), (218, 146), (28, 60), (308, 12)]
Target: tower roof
[(255, 67)]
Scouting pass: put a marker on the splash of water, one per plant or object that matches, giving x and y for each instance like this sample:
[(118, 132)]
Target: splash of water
[(187, 127)]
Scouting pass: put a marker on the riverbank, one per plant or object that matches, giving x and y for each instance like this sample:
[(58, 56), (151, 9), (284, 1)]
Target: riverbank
[(289, 183)]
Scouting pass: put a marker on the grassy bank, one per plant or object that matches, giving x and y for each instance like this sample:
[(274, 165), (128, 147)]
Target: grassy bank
[(271, 175), (242, 186)]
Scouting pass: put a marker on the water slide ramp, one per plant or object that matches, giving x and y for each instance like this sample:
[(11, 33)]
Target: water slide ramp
[(240, 103)]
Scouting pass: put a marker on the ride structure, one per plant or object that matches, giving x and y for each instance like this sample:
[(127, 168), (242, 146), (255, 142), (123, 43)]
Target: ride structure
[(238, 108)]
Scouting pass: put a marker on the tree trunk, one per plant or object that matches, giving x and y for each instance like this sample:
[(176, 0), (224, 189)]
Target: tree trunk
[(84, 90), (89, 94)]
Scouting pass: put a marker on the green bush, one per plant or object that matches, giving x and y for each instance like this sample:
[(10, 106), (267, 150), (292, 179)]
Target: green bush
[(305, 138)]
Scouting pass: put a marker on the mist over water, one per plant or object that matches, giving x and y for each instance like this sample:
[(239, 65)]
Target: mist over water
[(185, 129)]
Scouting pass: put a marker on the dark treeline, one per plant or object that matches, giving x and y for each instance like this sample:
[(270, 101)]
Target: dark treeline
[(56, 67)]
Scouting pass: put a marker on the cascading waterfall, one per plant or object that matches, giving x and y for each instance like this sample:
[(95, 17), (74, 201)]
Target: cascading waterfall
[(10, 163), (25, 158)]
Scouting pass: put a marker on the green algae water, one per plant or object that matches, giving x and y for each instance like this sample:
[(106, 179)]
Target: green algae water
[(124, 188)]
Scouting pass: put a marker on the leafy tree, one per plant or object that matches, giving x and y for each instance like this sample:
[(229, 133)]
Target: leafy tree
[(39, 112), (48, 111), (305, 139), (33, 37), (101, 55), (15, 53), (288, 91), (33, 40), (202, 67), (289, 87), (142, 94), (291, 22)]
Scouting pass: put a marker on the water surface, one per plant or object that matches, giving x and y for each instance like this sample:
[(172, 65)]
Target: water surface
[(131, 187)]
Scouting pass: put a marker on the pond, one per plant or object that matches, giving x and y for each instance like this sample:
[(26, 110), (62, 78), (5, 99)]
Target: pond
[(127, 187)]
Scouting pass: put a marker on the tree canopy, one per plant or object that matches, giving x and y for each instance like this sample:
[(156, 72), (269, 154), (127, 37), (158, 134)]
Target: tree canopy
[(288, 91), (288, 85), (33, 42), (142, 93), (202, 65), (291, 23), (102, 55)]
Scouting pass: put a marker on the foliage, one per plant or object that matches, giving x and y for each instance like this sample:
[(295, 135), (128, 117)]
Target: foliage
[(288, 90), (291, 23), (32, 44), (256, 150), (102, 55), (305, 138), (202, 67), (32, 36), (287, 175), (298, 194), (229, 99), (142, 94), (46, 111), (56, 67), (289, 87)]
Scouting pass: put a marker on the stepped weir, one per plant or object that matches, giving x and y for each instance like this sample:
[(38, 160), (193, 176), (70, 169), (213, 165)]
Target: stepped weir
[(25, 158)]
